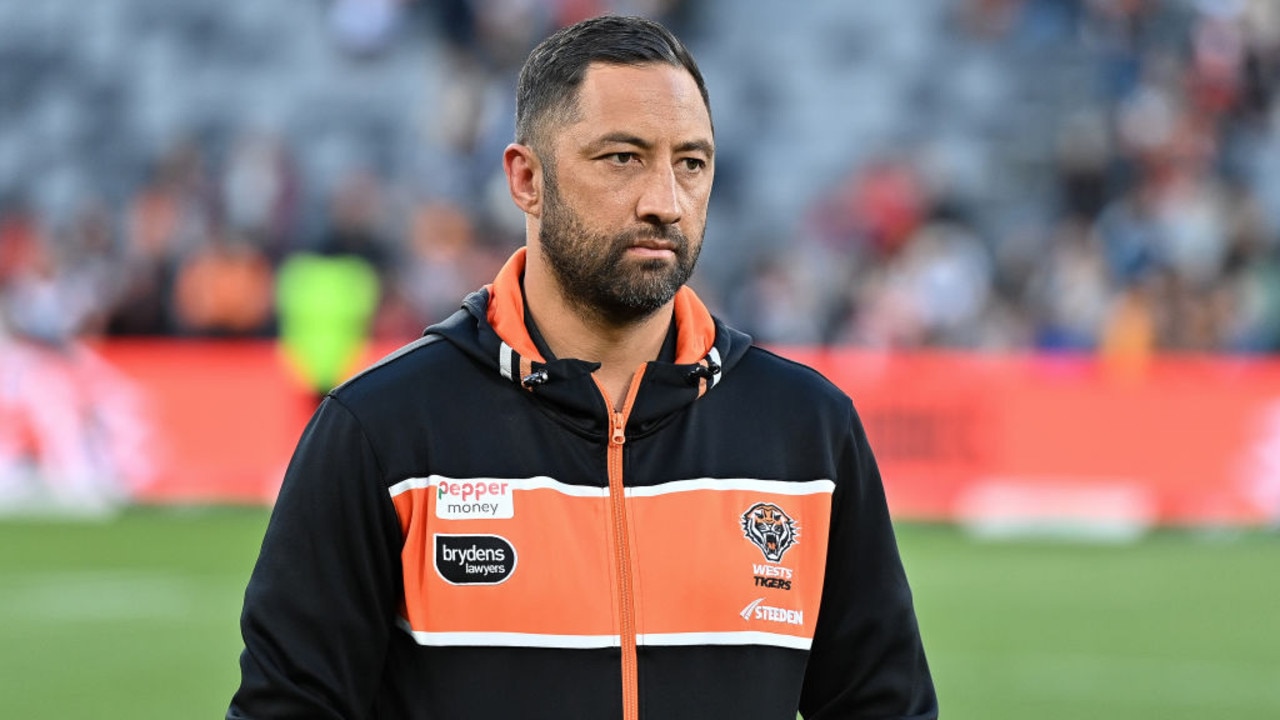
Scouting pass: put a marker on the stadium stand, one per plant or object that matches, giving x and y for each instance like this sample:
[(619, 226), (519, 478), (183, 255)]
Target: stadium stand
[(1087, 175)]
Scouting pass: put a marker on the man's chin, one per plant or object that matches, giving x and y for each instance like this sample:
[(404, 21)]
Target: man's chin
[(639, 265), (646, 297), (648, 277)]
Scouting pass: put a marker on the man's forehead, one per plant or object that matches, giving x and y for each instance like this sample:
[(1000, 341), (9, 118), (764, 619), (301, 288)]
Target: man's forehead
[(616, 79), (640, 101)]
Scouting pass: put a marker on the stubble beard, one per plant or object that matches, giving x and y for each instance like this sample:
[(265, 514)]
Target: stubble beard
[(595, 274)]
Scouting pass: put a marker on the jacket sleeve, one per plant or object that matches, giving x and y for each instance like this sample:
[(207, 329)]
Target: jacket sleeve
[(867, 658), (321, 600)]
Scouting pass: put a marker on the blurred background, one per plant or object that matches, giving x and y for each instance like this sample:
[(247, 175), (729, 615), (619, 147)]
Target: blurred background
[(1038, 241)]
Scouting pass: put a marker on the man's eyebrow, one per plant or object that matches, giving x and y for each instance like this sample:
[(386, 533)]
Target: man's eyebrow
[(702, 146), (621, 138)]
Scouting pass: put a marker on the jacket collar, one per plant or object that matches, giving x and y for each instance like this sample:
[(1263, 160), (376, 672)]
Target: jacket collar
[(695, 328), (491, 329)]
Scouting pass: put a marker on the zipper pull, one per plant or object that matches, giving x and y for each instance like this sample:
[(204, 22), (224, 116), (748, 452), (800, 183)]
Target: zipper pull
[(618, 436)]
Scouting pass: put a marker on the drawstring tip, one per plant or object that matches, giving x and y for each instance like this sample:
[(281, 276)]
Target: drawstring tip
[(703, 372), (534, 379)]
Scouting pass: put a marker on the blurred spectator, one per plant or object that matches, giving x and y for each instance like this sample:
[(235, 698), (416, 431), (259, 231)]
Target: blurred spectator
[(1130, 234), (1070, 290), (224, 289), (20, 241), (443, 264), (41, 304), (877, 207), (327, 302), (168, 217), (1082, 163), (1252, 275), (261, 193), (92, 263), (934, 291), (329, 298), (1131, 329), (173, 212), (780, 302), (358, 222)]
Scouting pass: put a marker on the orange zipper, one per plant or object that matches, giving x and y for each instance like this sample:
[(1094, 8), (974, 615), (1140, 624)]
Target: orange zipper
[(622, 549)]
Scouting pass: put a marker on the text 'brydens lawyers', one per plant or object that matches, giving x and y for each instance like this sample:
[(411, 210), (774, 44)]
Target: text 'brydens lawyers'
[(474, 559)]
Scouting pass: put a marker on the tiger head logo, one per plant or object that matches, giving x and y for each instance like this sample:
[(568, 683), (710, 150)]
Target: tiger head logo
[(770, 528)]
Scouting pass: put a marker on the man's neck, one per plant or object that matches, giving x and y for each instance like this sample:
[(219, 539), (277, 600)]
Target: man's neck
[(571, 333)]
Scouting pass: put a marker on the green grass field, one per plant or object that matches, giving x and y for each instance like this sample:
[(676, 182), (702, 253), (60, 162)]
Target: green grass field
[(136, 618)]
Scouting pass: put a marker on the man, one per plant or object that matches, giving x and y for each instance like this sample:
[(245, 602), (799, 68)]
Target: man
[(582, 496)]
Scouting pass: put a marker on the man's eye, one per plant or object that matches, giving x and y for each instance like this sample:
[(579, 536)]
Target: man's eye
[(694, 164), (622, 158)]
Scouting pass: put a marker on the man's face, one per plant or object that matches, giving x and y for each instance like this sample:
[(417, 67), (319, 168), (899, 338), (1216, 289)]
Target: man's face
[(625, 195)]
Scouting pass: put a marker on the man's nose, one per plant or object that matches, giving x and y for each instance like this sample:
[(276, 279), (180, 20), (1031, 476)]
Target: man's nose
[(659, 200)]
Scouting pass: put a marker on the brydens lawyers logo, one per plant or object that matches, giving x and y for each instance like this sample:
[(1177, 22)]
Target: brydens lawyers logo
[(770, 528), (474, 559)]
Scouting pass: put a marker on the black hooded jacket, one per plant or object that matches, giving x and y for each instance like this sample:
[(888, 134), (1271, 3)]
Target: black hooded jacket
[(468, 530)]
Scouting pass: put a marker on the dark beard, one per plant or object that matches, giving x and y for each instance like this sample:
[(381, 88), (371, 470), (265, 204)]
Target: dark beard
[(594, 272)]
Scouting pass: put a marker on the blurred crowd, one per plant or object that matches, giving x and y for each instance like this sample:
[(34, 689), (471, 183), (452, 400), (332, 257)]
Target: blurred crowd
[(1153, 225), (1157, 226)]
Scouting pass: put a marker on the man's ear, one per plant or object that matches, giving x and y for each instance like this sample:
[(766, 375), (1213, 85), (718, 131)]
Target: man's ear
[(524, 177)]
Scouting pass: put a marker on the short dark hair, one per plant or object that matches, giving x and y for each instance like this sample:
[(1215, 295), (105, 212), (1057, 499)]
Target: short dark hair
[(547, 89)]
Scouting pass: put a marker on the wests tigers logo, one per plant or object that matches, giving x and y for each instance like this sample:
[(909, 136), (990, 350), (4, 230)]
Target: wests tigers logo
[(770, 528)]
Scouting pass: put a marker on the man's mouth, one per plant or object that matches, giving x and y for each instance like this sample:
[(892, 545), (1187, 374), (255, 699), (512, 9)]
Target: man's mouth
[(653, 244)]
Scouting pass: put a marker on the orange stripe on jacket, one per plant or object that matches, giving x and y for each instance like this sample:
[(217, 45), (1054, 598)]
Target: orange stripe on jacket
[(694, 568)]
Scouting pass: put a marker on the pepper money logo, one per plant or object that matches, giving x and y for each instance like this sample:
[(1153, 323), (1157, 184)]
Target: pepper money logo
[(474, 559), (474, 499), (770, 528)]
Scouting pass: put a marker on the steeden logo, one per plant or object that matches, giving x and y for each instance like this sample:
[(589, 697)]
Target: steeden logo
[(757, 611)]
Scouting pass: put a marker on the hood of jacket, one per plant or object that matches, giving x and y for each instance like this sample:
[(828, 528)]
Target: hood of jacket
[(490, 328)]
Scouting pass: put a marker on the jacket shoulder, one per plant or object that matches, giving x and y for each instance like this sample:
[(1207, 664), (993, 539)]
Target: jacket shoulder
[(794, 378), (410, 365)]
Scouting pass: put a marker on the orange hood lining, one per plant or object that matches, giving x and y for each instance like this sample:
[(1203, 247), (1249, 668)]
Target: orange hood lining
[(695, 330)]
